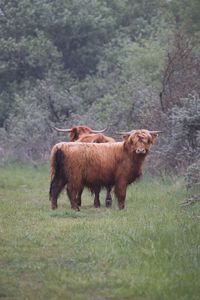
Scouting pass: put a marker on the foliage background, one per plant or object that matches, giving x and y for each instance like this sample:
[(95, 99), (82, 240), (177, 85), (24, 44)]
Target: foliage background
[(125, 64)]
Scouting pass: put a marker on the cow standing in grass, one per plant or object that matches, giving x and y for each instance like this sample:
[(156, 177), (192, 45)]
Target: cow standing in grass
[(85, 134), (117, 165)]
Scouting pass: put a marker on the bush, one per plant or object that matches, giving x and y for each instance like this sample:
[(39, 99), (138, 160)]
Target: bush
[(192, 175)]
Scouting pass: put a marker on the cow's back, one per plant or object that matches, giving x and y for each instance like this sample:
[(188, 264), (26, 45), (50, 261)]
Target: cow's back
[(90, 163)]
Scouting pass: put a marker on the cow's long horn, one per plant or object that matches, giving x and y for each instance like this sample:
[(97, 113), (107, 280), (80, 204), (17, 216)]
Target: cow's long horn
[(132, 131), (155, 132), (99, 131), (63, 130), (125, 132)]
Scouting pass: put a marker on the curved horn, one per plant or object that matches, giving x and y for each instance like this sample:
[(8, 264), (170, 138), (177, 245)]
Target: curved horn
[(63, 130), (99, 131), (132, 131), (155, 132)]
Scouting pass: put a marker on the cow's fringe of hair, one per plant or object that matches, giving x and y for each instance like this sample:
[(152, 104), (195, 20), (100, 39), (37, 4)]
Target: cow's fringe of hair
[(57, 169), (58, 162)]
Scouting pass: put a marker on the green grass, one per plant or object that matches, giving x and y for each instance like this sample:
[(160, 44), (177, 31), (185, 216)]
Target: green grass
[(150, 250)]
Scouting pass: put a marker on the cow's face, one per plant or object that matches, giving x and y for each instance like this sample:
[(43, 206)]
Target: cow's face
[(77, 131), (139, 142)]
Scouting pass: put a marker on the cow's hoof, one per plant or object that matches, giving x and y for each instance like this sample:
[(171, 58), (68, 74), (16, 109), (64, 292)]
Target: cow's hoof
[(108, 203), (76, 208), (121, 207), (54, 206)]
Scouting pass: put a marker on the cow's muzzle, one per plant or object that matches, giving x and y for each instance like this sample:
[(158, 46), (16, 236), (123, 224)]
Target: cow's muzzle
[(140, 151)]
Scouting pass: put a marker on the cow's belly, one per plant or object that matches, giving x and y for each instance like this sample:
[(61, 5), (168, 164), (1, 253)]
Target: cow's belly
[(99, 178)]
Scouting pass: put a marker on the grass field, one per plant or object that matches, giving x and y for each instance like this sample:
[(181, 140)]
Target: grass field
[(150, 250)]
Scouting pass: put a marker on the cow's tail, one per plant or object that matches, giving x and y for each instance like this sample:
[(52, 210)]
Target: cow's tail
[(57, 171), (57, 163)]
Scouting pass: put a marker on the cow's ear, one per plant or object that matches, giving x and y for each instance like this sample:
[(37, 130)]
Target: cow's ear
[(154, 137), (126, 142), (74, 134), (125, 137)]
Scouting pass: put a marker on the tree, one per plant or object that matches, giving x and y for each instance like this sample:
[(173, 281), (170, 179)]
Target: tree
[(186, 14), (181, 72), (80, 29)]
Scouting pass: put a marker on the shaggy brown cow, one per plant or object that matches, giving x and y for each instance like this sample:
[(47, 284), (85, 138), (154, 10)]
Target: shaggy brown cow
[(98, 165), (85, 134), (77, 131)]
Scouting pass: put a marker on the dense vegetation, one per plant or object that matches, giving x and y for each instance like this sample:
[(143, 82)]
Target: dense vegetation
[(122, 64), (127, 64), (150, 251)]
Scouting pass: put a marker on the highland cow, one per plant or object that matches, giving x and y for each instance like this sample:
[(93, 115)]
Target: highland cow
[(85, 134), (117, 165)]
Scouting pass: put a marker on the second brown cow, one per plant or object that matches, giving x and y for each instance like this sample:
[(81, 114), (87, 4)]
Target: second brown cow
[(76, 132)]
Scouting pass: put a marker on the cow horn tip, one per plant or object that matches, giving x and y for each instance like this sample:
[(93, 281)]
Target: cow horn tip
[(156, 131)]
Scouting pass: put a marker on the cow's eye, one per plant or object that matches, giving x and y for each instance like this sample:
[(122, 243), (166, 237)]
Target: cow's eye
[(146, 142), (149, 141)]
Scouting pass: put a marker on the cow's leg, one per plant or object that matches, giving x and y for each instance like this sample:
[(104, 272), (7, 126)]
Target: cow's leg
[(55, 189), (108, 201), (79, 197), (72, 192), (96, 197), (120, 192)]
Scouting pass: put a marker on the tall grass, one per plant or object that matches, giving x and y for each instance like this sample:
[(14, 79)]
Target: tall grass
[(150, 250)]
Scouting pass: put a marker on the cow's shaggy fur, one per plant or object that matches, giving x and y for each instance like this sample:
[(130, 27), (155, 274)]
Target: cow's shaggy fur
[(98, 165), (95, 138)]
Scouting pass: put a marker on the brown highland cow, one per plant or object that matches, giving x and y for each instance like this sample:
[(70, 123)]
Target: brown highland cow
[(117, 165), (85, 134)]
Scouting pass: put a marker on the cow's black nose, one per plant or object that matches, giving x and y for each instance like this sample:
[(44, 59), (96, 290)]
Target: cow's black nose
[(140, 151)]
